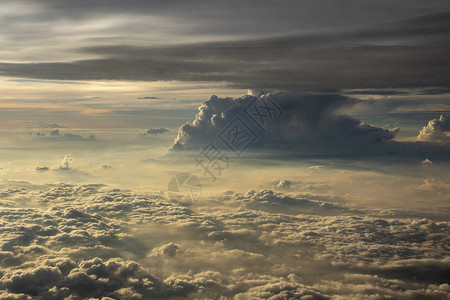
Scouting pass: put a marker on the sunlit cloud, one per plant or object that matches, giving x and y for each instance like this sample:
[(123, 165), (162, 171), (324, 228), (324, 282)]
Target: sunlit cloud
[(224, 150)]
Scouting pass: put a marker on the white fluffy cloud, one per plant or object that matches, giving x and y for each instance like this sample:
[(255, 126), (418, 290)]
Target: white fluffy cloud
[(437, 130), (99, 242)]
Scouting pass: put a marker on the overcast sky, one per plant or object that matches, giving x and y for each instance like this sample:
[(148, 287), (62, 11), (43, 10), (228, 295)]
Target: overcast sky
[(248, 44)]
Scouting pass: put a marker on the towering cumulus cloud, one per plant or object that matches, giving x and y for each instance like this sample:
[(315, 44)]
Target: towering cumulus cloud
[(437, 130), (293, 122)]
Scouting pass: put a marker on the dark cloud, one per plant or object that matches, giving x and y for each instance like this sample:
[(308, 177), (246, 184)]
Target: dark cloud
[(154, 131), (65, 136), (396, 92), (89, 278), (51, 126), (42, 169), (169, 250), (249, 14), (409, 53), (149, 97), (427, 270), (309, 125), (307, 121)]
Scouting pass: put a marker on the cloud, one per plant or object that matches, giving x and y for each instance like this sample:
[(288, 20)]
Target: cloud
[(169, 250), (93, 278), (433, 186), (93, 241), (154, 131), (66, 167), (364, 56), (288, 125), (437, 130), (358, 286), (399, 91), (149, 97), (283, 184), (281, 288), (426, 162), (57, 135), (42, 169), (66, 162), (292, 122), (269, 200), (33, 282), (233, 18), (51, 126)]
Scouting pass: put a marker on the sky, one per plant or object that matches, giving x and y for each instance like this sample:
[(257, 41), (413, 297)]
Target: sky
[(224, 149)]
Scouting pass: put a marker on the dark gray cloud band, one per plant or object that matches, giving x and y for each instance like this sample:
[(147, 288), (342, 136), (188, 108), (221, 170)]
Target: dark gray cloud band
[(410, 53)]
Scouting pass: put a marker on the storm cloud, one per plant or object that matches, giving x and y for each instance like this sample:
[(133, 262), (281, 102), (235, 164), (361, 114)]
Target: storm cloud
[(291, 125), (292, 122)]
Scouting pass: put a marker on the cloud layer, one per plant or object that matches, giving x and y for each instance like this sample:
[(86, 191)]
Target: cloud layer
[(375, 55), (97, 241)]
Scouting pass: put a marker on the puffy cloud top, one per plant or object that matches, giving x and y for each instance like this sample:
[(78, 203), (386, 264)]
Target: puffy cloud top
[(284, 121), (82, 244), (437, 130)]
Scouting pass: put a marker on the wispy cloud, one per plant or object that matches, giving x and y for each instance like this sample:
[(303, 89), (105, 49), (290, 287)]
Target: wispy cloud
[(367, 56)]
